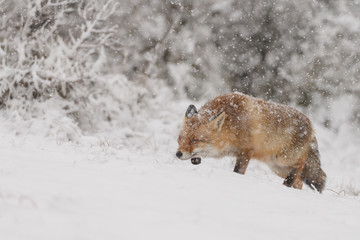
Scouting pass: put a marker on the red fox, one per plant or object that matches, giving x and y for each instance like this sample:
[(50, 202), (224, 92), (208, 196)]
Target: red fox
[(246, 127)]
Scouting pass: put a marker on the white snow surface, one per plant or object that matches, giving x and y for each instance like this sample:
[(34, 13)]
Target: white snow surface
[(125, 185)]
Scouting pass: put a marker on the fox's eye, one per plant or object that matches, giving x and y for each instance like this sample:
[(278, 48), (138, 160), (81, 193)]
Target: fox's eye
[(195, 141)]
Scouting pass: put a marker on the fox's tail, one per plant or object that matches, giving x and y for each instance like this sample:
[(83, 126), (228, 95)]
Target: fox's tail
[(312, 174)]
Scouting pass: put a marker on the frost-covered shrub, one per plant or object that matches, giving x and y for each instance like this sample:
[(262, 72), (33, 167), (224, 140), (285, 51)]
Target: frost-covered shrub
[(48, 47), (304, 53), (58, 73), (328, 68), (170, 40), (270, 49), (55, 50), (256, 39)]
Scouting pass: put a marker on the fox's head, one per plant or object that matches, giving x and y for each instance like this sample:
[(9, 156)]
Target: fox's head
[(198, 133)]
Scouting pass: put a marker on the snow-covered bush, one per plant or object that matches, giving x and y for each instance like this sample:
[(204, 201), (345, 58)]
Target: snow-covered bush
[(170, 40), (303, 53), (53, 61), (46, 53), (57, 74), (271, 49), (328, 69)]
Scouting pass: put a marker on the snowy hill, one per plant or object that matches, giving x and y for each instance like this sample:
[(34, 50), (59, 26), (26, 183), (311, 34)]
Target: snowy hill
[(100, 189)]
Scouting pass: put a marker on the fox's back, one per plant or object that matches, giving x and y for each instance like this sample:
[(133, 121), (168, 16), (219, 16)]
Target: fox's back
[(277, 127), (266, 127)]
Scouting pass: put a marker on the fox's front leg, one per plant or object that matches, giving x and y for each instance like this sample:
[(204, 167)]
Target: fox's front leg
[(242, 161)]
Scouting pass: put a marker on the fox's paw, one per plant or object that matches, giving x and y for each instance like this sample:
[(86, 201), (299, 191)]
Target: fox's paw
[(196, 161)]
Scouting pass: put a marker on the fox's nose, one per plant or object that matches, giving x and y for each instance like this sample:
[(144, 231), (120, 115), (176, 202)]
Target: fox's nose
[(179, 154)]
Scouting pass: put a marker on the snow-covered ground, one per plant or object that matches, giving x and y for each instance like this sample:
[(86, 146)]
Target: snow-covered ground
[(103, 188)]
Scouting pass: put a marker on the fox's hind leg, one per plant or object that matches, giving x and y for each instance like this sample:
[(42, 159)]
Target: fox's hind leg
[(294, 179), (242, 161)]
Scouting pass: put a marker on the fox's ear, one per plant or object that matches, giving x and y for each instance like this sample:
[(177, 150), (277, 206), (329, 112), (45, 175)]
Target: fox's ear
[(191, 111), (217, 121)]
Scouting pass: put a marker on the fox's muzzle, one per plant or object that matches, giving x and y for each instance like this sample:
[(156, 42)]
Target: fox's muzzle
[(183, 155), (194, 161)]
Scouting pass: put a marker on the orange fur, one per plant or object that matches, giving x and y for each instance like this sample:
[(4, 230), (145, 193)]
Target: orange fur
[(245, 127)]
